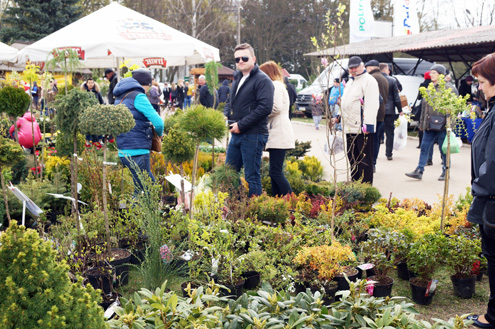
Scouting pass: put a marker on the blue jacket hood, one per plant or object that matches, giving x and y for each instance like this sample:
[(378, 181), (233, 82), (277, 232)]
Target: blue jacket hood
[(125, 85), (225, 82)]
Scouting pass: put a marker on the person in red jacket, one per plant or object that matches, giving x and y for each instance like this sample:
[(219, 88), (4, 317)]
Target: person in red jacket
[(25, 126)]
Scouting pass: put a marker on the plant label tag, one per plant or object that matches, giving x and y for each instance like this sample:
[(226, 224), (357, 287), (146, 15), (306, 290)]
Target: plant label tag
[(432, 285), (364, 267)]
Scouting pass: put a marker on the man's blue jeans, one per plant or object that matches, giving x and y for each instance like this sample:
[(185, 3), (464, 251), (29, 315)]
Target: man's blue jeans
[(245, 151), (143, 163), (429, 137)]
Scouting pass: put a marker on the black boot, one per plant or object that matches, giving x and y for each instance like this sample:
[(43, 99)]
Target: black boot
[(415, 174)]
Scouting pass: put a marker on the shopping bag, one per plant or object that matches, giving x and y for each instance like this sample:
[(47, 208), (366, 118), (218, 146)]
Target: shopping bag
[(336, 144), (455, 147), (400, 134)]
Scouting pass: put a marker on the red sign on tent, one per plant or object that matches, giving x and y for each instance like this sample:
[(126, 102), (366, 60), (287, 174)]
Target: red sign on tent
[(155, 61)]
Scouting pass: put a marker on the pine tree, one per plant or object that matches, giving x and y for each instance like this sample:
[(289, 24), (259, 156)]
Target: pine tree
[(31, 20)]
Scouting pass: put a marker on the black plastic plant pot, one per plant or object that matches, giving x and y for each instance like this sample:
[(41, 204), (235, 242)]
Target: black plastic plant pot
[(464, 287)]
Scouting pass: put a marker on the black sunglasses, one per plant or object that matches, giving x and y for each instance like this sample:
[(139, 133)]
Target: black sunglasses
[(244, 59)]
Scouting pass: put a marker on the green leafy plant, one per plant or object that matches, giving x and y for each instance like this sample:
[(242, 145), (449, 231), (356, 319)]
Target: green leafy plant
[(268, 308), (426, 255), (106, 120), (10, 153), (378, 249), (462, 253), (202, 124), (312, 168), (300, 150), (15, 102), (444, 100), (268, 209), (35, 289), (178, 147), (67, 59)]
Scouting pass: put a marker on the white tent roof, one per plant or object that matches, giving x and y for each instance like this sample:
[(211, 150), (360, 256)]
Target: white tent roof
[(7, 53), (115, 32)]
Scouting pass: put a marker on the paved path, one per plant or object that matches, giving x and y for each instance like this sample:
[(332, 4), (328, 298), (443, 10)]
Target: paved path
[(389, 176)]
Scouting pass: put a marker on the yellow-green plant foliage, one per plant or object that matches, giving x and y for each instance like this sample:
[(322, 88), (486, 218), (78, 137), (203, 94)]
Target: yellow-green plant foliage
[(106, 120), (69, 108), (326, 260), (65, 144), (208, 207), (312, 169), (13, 101), (35, 289), (293, 168), (269, 209), (30, 73), (203, 123), (55, 164), (177, 145), (402, 219), (10, 152), (443, 99)]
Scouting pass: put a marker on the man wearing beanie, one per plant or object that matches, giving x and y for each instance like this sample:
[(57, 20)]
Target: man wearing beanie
[(360, 103), (112, 79), (429, 124), (135, 145)]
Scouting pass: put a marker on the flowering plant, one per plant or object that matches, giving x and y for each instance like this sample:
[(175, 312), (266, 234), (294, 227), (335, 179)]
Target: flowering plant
[(166, 254)]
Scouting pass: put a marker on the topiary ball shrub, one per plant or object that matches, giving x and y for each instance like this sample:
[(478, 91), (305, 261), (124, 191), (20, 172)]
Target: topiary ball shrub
[(14, 101), (106, 120), (35, 289)]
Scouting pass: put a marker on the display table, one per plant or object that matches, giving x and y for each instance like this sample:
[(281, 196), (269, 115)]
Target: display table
[(466, 128)]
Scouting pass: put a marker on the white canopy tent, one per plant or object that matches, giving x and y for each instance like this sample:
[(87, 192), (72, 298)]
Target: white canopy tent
[(7, 53), (114, 33)]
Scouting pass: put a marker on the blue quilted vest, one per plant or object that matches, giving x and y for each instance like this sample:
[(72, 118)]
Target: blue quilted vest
[(140, 136)]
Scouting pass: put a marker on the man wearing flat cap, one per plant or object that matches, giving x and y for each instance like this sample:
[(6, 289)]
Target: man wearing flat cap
[(135, 145), (112, 78), (360, 104)]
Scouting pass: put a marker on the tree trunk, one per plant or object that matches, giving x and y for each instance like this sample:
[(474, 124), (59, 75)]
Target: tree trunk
[(182, 193), (193, 179), (5, 196), (105, 210), (75, 205), (213, 154), (447, 177)]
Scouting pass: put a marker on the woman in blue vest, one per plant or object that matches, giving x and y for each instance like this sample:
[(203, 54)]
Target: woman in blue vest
[(135, 145)]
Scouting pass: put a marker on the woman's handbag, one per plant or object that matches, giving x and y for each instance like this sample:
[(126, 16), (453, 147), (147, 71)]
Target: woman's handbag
[(436, 122), (489, 218), (156, 142)]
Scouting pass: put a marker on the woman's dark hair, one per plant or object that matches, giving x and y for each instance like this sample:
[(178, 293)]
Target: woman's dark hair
[(486, 68)]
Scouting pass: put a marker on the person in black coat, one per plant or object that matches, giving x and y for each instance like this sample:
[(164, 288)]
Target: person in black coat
[(292, 95), (247, 109), (166, 94), (223, 91), (112, 77), (392, 103), (205, 97), (482, 210), (91, 86)]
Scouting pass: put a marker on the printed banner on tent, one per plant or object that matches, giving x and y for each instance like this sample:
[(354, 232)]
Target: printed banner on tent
[(405, 18), (361, 21), (154, 61)]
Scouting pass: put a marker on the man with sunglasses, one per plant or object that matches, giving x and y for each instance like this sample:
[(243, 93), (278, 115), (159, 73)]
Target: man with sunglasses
[(247, 109)]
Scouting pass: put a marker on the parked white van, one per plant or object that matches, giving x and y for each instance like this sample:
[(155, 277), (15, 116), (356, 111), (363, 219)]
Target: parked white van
[(410, 76), (301, 81)]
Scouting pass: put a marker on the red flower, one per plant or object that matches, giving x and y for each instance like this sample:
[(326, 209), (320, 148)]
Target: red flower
[(37, 153), (111, 140)]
